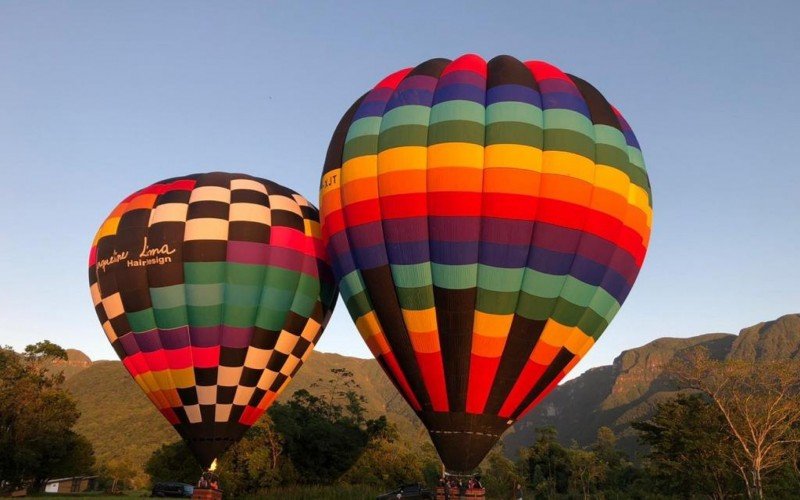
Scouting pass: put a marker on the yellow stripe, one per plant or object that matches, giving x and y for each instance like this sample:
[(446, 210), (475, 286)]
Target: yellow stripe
[(513, 156), (455, 154), (402, 158), (360, 167)]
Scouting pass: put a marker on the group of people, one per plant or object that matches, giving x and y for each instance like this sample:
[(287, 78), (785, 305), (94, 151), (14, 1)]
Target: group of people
[(449, 482), (208, 481)]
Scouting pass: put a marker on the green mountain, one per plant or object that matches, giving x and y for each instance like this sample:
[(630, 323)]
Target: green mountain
[(123, 425)]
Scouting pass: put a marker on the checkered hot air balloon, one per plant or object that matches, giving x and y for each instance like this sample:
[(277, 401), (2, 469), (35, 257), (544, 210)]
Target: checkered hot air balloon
[(213, 289), (485, 222)]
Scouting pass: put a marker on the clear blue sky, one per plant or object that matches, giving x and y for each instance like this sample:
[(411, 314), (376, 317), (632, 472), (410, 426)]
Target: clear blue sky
[(98, 99)]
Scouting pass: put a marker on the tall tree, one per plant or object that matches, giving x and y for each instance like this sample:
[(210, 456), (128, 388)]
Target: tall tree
[(760, 405), (689, 445), (36, 420)]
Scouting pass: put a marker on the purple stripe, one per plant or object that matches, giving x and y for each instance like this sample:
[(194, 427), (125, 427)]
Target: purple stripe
[(417, 89), (630, 138), (205, 336), (412, 252), (512, 92), (503, 255), (236, 337), (374, 108), (564, 101), (381, 94), (465, 77), (465, 229), (506, 231), (558, 85), (403, 230), (128, 343), (419, 97), (454, 252), (247, 252), (370, 257), (365, 235), (148, 341), (175, 338), (459, 92)]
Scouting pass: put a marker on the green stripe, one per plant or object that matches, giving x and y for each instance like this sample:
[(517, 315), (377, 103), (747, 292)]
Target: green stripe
[(411, 114), (455, 277), (417, 298), (511, 111), (566, 119), (493, 302), (406, 135), (351, 284), (204, 315), (173, 317), (200, 273), (456, 131), (166, 297), (499, 279), (369, 125), (411, 275), (205, 295), (358, 305), (515, 133), (141, 321), (360, 146), (458, 110)]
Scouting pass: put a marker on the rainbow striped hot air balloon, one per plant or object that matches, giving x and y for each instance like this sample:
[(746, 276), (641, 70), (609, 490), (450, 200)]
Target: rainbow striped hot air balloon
[(213, 289), (485, 222)]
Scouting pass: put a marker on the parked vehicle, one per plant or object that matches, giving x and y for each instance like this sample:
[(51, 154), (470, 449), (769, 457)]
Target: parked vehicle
[(408, 491), (173, 489)]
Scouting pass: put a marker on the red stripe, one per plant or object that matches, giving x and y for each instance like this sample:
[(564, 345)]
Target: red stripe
[(454, 204), (482, 371), (467, 62), (170, 415), (287, 237), (156, 361), (179, 359), (393, 80), (205, 357), (542, 71), (250, 415), (401, 206), (529, 376), (362, 212), (510, 206), (93, 255), (400, 380), (432, 369)]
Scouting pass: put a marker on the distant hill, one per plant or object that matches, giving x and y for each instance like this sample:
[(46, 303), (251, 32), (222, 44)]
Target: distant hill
[(121, 422), (629, 389)]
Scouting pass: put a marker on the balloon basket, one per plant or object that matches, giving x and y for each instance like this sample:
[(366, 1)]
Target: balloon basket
[(461, 493), (206, 494)]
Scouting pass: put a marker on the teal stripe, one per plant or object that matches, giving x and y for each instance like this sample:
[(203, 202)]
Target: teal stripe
[(205, 295), (567, 119), (412, 275), (458, 110), (166, 297), (364, 126), (411, 114), (510, 111), (455, 277), (499, 279), (351, 285), (141, 321)]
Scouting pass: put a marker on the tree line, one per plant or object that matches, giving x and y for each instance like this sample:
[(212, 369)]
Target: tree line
[(731, 430)]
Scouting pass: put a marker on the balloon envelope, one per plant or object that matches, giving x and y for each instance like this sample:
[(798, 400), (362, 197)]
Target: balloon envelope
[(485, 222), (213, 290)]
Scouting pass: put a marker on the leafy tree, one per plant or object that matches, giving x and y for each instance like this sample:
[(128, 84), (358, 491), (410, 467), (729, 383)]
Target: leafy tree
[(760, 406), (586, 471), (688, 443), (173, 462), (324, 436), (547, 464), (499, 474), (36, 420)]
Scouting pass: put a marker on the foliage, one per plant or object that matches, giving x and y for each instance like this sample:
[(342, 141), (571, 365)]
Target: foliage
[(688, 446), (325, 435), (36, 420), (760, 406), (173, 462)]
